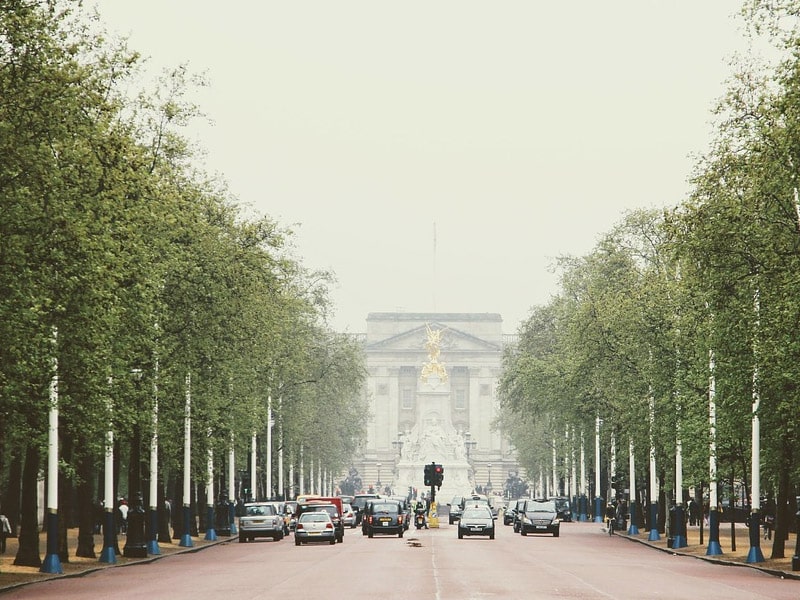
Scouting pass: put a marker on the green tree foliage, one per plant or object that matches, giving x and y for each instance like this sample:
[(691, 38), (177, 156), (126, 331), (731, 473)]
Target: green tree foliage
[(147, 271), (643, 312)]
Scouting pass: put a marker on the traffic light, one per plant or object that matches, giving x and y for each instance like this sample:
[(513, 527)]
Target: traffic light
[(438, 475), (429, 474)]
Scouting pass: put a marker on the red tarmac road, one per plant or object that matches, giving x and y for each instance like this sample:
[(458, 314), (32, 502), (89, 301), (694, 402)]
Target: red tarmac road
[(429, 564)]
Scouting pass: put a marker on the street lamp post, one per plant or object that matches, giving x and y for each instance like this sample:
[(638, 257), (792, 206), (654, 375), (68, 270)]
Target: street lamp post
[(398, 444), (135, 543), (489, 480), (469, 443), (379, 476)]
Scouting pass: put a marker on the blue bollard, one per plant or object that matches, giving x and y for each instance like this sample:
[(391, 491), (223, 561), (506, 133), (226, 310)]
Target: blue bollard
[(186, 538), (755, 555), (598, 510), (714, 549), (152, 542), (109, 554), (654, 535), (211, 532), (679, 538), (52, 563), (633, 529)]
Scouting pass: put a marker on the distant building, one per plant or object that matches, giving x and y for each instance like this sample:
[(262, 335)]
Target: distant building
[(432, 392)]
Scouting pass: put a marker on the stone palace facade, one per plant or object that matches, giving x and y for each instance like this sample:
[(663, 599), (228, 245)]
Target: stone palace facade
[(432, 392)]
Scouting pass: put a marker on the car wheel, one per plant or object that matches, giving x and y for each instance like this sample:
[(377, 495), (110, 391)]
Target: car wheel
[(400, 534), (460, 534), (296, 542), (555, 533), (491, 535), (523, 532), (369, 533), (332, 542), (242, 538)]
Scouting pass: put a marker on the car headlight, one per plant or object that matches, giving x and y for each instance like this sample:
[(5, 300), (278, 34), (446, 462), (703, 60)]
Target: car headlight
[(526, 520)]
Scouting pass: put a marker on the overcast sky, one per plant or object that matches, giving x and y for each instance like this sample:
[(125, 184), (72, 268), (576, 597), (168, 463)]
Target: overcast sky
[(517, 131)]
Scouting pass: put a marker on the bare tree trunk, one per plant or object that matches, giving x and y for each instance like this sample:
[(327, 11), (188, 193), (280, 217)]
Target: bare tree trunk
[(782, 508), (64, 500), (28, 552), (86, 510), (11, 499)]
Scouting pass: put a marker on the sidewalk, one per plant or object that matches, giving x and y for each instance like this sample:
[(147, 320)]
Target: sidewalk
[(12, 576), (781, 567)]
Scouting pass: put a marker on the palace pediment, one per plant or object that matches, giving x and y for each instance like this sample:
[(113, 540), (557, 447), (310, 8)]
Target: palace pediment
[(452, 339)]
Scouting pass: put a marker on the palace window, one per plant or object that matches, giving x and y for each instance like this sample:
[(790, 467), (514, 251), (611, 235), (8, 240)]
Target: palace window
[(460, 399), (407, 398)]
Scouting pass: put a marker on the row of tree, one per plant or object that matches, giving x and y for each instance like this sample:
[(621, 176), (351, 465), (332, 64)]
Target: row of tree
[(124, 271), (673, 304)]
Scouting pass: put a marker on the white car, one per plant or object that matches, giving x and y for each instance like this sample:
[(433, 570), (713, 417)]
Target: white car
[(314, 526)]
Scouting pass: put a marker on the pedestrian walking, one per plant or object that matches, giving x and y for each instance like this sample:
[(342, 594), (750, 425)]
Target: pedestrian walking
[(692, 511), (122, 516), (769, 519), (5, 532)]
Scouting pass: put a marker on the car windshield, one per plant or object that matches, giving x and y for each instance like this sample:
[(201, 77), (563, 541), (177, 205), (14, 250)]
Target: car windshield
[(384, 508), (534, 506), (361, 501), (476, 513), (314, 517), (331, 509), (262, 510)]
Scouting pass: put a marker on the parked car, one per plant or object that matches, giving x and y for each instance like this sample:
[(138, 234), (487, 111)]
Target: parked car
[(314, 526), (384, 517), (348, 516), (456, 505), (358, 503), (563, 509), (476, 519), (260, 519), (540, 516)]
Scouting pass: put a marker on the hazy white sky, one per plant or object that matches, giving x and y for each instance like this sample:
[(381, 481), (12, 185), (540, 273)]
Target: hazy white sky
[(522, 128)]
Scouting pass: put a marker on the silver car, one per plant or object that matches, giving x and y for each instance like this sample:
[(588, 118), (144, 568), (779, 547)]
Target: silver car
[(348, 516), (314, 526), (260, 519)]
